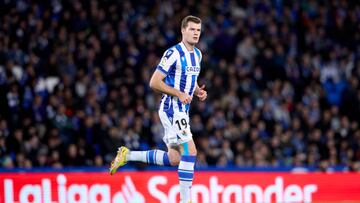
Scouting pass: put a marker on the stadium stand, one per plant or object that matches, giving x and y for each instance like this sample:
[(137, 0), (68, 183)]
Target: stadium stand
[(282, 80)]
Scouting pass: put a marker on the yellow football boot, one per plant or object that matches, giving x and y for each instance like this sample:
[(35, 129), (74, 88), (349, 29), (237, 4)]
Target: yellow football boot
[(119, 160)]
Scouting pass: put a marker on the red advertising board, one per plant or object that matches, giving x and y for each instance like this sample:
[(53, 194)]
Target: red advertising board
[(160, 186)]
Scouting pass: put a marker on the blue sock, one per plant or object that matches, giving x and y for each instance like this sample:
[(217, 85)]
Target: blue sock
[(186, 174), (155, 157)]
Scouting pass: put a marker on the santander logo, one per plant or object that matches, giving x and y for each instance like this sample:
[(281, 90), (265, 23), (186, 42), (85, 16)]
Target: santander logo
[(154, 188), (243, 194)]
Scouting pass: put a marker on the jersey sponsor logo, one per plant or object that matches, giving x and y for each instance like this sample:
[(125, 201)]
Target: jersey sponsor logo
[(194, 69)]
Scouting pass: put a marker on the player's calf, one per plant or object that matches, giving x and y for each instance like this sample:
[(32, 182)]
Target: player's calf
[(186, 170)]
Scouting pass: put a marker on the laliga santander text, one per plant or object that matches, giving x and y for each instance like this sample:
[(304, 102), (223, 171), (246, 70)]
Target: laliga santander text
[(162, 187)]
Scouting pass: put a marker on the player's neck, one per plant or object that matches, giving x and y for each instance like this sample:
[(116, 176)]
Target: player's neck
[(188, 46)]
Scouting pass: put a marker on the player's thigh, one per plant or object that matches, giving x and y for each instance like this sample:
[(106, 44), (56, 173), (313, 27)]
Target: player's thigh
[(177, 128), (181, 128), (169, 134)]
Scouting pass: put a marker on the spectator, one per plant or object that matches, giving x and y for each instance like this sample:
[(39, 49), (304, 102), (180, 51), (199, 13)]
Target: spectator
[(285, 81)]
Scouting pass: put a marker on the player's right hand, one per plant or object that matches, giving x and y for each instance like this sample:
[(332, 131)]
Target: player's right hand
[(185, 98)]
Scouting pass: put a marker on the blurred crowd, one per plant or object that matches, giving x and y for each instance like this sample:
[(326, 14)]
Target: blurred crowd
[(282, 80)]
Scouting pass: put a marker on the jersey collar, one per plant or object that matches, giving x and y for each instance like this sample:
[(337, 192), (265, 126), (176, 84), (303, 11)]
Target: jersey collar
[(184, 47)]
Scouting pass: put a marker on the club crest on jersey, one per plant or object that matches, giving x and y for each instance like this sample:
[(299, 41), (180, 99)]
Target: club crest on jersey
[(171, 119), (169, 53)]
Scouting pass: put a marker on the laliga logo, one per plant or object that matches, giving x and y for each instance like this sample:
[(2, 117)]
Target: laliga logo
[(129, 193), (73, 193)]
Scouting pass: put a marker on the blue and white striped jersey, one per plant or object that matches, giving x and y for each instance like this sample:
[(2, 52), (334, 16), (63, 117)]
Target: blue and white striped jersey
[(182, 68)]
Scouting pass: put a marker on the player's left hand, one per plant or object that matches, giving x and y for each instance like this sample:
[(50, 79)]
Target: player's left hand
[(202, 93)]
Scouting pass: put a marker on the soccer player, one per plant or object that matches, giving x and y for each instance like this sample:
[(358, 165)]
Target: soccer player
[(176, 78)]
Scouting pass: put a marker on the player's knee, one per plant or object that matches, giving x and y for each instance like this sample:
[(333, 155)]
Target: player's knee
[(189, 149), (174, 160), (191, 152)]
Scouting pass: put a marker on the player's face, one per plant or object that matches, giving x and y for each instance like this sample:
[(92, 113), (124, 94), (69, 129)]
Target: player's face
[(191, 34)]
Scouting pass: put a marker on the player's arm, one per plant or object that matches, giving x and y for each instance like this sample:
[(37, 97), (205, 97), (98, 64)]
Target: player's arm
[(200, 92), (157, 83)]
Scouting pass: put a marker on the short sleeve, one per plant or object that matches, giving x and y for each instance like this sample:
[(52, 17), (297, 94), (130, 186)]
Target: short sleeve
[(167, 61)]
